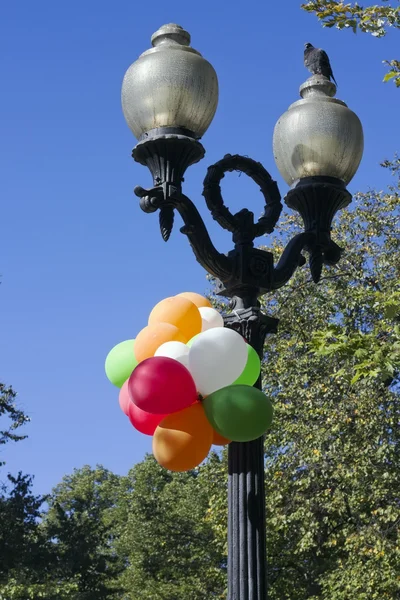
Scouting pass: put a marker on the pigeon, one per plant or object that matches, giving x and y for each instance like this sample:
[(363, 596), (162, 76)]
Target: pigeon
[(317, 62)]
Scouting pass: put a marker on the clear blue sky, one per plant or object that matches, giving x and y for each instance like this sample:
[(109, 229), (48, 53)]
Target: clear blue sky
[(81, 265)]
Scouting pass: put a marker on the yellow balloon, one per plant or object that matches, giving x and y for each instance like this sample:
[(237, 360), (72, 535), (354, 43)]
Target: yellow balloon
[(183, 439), (151, 337), (197, 299), (180, 312), (219, 440)]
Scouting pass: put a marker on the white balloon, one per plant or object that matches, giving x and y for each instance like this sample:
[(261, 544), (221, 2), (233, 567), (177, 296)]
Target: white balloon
[(176, 350), (216, 359), (210, 318)]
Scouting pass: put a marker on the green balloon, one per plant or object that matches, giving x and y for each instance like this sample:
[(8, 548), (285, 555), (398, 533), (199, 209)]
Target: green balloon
[(240, 413), (120, 363), (252, 369), (190, 342)]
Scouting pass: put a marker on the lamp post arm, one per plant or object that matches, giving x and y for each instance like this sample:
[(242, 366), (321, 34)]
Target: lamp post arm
[(216, 264), (291, 258)]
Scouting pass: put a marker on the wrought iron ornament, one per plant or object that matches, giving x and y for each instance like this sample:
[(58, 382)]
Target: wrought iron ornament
[(244, 268)]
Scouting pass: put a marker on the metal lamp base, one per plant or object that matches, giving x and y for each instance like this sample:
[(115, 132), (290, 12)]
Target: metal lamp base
[(317, 200), (167, 152), (167, 155)]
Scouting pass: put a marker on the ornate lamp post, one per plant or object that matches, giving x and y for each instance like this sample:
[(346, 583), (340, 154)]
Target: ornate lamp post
[(169, 98)]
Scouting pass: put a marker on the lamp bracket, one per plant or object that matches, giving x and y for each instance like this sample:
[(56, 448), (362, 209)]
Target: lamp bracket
[(245, 272)]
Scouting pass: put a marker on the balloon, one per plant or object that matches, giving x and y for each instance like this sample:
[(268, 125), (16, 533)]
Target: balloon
[(152, 336), (180, 312), (161, 385), (143, 421), (197, 299), (239, 412), (124, 398), (210, 318), (176, 350), (252, 369), (183, 440), (120, 362), (216, 359), (218, 440), (190, 342)]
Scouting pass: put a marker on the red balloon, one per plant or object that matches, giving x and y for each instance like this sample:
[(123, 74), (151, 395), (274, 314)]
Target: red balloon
[(124, 398), (143, 421), (161, 385)]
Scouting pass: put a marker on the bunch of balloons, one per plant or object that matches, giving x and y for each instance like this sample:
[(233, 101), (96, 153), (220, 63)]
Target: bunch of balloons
[(187, 381)]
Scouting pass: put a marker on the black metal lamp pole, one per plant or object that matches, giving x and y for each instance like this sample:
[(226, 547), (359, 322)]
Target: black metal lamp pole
[(245, 273)]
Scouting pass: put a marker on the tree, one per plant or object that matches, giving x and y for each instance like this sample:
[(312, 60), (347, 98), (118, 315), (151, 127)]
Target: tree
[(332, 456), (25, 555), (374, 19), (67, 552), (12, 417), (24, 552), (165, 536), (80, 522), (144, 536)]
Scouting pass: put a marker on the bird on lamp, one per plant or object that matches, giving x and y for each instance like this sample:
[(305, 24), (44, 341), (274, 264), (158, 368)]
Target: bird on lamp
[(317, 62)]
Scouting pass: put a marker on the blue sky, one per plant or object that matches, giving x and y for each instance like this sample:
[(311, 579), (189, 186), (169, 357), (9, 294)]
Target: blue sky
[(81, 266)]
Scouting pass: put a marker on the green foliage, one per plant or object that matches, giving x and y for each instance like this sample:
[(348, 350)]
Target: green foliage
[(19, 510), (12, 417), (394, 72), (144, 536), (81, 523), (332, 454), (25, 553), (69, 554), (166, 537), (14, 590), (375, 19)]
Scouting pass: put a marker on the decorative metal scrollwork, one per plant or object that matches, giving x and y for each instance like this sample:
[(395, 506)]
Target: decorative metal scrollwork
[(221, 213), (245, 272)]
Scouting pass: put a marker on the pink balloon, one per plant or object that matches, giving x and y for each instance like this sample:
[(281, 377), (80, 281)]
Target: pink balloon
[(124, 398), (143, 421), (161, 385)]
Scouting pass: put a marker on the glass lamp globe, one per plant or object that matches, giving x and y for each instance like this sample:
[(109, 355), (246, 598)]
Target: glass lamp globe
[(170, 86)]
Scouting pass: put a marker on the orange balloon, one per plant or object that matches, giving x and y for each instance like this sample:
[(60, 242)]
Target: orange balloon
[(219, 440), (180, 312), (197, 299), (152, 336), (183, 439)]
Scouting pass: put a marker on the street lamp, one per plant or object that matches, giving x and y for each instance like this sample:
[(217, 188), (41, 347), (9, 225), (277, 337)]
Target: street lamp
[(169, 98)]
